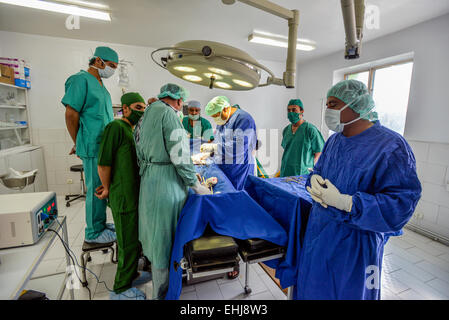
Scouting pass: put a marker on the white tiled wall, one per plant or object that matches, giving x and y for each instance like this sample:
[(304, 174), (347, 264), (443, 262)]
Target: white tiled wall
[(432, 161), (57, 145)]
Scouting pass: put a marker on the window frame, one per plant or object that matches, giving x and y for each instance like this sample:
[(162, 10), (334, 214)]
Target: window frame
[(372, 72)]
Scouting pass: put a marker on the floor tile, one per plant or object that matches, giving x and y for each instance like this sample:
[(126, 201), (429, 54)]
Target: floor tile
[(393, 284), (188, 296), (231, 291), (424, 290), (411, 268), (266, 295), (208, 290)]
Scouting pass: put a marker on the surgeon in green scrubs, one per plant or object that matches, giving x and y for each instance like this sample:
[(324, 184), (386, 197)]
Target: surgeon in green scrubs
[(119, 175), (302, 142), (88, 111), (167, 173), (196, 126)]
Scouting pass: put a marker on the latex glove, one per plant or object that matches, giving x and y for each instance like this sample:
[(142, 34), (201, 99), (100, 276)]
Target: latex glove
[(316, 181), (209, 147), (329, 195), (200, 158), (200, 189)]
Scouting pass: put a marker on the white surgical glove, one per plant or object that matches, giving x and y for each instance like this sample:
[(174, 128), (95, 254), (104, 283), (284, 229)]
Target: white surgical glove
[(200, 189), (209, 147), (325, 193)]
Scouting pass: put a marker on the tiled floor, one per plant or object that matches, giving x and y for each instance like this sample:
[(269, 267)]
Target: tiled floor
[(415, 267)]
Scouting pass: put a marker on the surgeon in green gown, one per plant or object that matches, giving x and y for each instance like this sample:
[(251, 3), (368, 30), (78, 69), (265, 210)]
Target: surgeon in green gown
[(302, 142), (88, 110), (166, 172)]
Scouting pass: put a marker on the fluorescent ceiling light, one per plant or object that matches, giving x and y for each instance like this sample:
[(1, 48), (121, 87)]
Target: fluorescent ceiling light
[(86, 4), (60, 8), (279, 41)]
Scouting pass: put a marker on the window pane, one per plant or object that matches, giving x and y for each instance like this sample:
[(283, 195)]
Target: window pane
[(362, 76), (391, 93)]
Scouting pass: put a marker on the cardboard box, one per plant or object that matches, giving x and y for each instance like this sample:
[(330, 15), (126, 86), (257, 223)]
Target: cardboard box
[(6, 74)]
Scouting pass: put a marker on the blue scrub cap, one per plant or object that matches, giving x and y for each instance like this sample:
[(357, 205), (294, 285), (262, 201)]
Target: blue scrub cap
[(194, 104), (356, 95), (173, 91)]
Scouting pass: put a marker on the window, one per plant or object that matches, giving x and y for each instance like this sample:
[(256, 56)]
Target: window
[(390, 87)]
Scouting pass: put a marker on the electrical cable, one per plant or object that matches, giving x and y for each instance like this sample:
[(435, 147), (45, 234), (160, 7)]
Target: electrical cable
[(68, 250)]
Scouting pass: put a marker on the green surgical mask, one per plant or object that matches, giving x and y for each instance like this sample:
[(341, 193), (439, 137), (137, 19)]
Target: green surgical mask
[(194, 117), (135, 116), (293, 117)]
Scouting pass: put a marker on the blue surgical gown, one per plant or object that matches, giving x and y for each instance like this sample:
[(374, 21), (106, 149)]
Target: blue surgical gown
[(236, 141), (342, 252)]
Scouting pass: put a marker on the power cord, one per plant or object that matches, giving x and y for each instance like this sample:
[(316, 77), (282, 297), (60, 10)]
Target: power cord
[(70, 253)]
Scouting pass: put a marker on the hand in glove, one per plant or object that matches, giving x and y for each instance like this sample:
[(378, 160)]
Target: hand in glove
[(209, 147), (200, 189), (325, 193)]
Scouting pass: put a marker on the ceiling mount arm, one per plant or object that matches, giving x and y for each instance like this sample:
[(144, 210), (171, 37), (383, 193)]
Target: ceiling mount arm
[(293, 21)]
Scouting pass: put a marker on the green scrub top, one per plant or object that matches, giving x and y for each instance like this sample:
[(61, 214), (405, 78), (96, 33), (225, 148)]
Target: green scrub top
[(201, 129), (87, 96), (118, 151), (165, 181), (300, 149)]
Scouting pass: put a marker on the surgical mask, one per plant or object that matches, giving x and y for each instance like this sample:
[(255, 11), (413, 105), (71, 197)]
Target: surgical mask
[(293, 117), (333, 122), (105, 73), (219, 121), (194, 117), (135, 116)]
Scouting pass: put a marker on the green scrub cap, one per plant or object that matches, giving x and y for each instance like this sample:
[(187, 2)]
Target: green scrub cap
[(216, 105), (106, 53), (356, 95), (173, 91), (131, 97), (296, 102)]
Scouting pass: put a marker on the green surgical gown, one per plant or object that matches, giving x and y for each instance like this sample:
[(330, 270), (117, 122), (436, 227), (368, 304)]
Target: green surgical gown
[(201, 129), (117, 150), (300, 149), (165, 180)]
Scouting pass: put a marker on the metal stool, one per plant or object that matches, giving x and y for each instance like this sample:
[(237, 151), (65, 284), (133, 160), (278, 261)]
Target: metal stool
[(77, 168), (91, 247)]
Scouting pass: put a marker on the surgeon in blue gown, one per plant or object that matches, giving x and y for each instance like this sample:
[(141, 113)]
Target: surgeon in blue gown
[(365, 189), (235, 140)]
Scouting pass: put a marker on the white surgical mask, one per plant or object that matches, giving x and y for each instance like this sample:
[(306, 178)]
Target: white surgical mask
[(333, 122), (219, 121), (105, 73), (194, 117)]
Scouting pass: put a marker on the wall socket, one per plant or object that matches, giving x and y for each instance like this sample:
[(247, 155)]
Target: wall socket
[(69, 181)]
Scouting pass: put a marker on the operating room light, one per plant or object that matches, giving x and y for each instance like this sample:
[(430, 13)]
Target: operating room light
[(220, 71), (193, 78), (185, 69), (223, 85), (242, 83), (60, 8), (279, 41)]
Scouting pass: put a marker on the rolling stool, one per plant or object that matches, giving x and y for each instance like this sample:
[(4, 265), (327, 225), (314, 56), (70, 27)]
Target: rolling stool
[(77, 168), (91, 247)]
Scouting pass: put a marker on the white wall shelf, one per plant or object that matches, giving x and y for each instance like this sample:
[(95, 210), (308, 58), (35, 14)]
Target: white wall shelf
[(2, 106), (14, 107)]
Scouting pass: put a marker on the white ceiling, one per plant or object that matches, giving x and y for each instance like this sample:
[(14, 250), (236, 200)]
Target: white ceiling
[(157, 23)]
